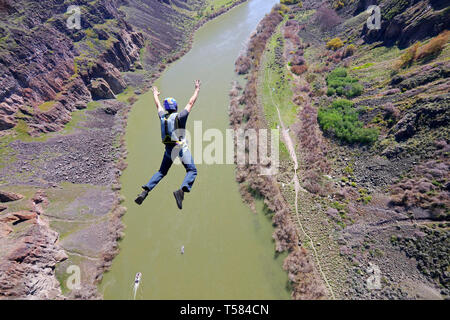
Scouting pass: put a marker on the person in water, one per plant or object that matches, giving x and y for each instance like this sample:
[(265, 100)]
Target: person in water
[(173, 125)]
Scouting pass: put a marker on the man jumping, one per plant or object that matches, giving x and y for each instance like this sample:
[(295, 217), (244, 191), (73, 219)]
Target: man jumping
[(173, 125)]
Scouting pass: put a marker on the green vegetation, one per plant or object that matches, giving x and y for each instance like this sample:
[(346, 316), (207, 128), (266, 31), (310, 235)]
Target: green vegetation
[(335, 44), (422, 53), (275, 87), (288, 2), (214, 6), (21, 129), (364, 66), (127, 96), (394, 8), (342, 210), (434, 47), (350, 50), (375, 65), (407, 59), (340, 83), (283, 9), (364, 197), (46, 106), (78, 116), (341, 119)]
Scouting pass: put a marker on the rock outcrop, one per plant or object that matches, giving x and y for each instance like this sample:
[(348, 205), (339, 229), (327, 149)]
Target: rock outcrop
[(404, 22), (29, 256), (100, 89), (6, 196)]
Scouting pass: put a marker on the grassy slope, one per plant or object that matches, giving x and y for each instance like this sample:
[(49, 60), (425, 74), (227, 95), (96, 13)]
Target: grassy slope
[(274, 89)]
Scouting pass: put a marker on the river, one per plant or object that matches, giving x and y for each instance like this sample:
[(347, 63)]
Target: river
[(229, 251)]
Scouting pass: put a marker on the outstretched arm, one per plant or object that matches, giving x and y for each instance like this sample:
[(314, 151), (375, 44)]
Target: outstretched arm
[(194, 96), (156, 94)]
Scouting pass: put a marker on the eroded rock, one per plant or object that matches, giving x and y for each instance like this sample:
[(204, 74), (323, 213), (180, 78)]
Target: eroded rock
[(100, 89), (6, 196), (27, 267)]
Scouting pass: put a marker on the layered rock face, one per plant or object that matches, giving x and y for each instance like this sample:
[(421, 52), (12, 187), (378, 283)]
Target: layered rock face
[(27, 267), (46, 68), (404, 22), (165, 28)]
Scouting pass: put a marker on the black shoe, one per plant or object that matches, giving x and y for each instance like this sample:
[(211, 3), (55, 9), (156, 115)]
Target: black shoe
[(141, 197), (179, 197)]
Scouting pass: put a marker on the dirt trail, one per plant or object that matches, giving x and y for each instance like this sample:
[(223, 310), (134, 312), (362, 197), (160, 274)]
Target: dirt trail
[(290, 146)]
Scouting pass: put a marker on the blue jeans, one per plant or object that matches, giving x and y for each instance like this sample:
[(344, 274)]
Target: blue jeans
[(170, 154)]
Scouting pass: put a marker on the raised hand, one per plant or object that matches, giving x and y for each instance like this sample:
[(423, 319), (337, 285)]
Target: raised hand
[(194, 96), (155, 91)]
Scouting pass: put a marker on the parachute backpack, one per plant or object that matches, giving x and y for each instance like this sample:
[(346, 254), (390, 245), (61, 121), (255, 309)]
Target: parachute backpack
[(169, 124)]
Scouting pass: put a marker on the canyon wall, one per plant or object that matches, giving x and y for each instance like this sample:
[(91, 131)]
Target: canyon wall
[(48, 70)]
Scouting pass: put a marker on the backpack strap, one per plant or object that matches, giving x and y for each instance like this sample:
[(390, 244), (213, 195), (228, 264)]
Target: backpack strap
[(177, 122), (166, 129)]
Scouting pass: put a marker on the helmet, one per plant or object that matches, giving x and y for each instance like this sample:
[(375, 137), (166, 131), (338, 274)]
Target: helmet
[(170, 104)]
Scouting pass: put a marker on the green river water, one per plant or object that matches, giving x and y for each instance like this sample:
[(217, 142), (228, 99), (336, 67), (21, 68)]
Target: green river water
[(229, 251)]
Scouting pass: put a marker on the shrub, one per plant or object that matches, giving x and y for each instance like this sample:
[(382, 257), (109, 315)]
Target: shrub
[(339, 5), (343, 84), (310, 77), (243, 65), (290, 2), (354, 90), (298, 70), (335, 44), (349, 51), (435, 46), (327, 18), (338, 73), (331, 92), (341, 120), (408, 57), (283, 9), (297, 60)]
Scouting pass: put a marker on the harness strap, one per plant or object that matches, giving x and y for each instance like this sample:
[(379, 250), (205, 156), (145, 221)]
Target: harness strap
[(177, 124), (166, 129)]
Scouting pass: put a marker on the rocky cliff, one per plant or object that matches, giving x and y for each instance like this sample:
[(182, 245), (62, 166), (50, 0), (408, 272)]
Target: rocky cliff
[(28, 258), (49, 70)]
